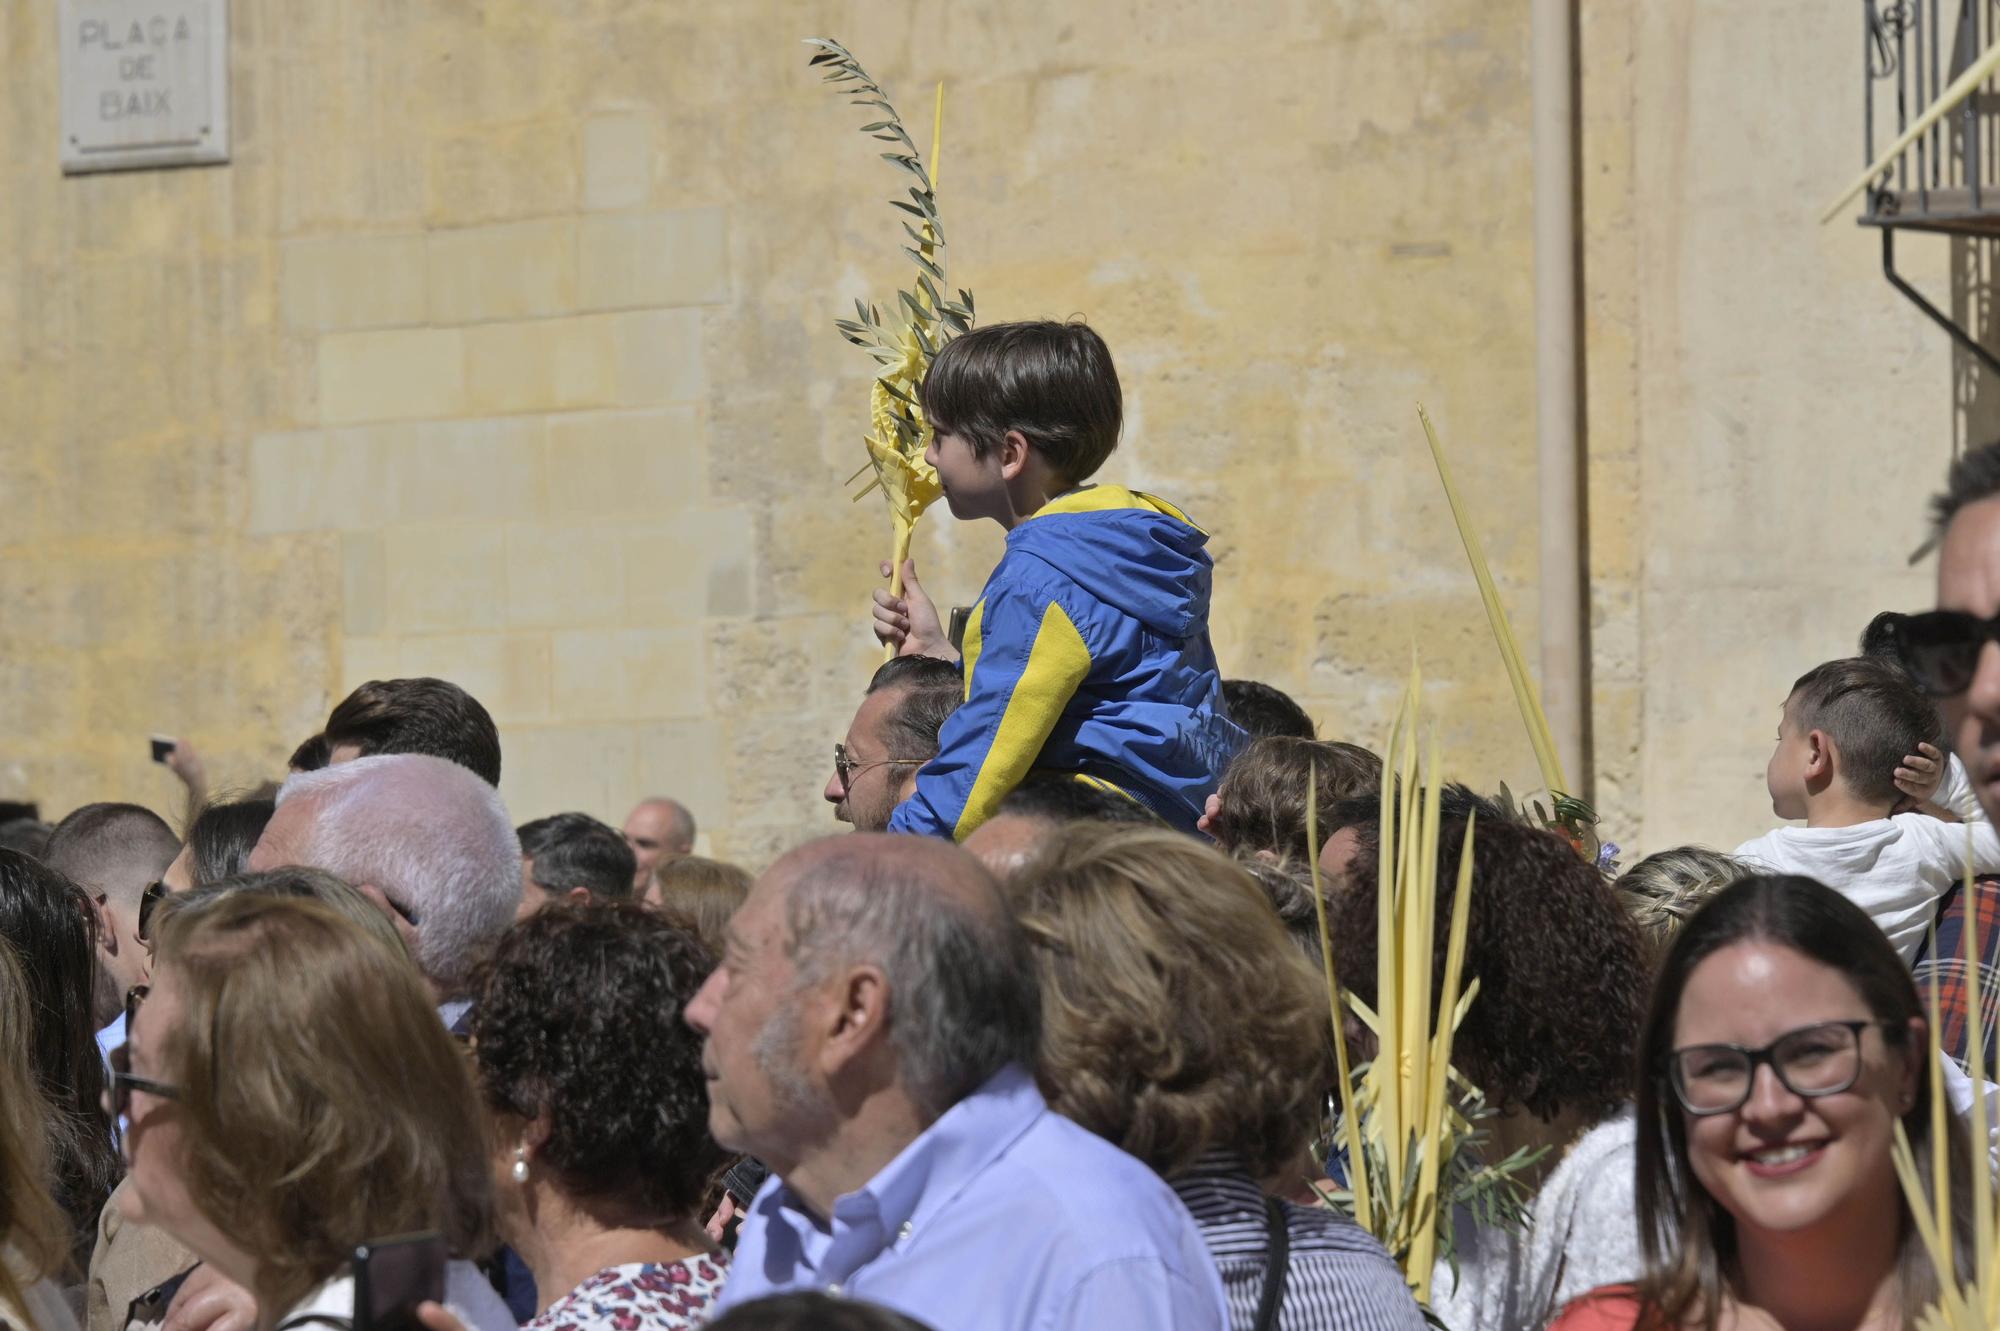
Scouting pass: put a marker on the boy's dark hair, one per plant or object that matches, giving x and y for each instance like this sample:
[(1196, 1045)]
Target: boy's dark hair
[(1874, 714), (1054, 382), (310, 756), (572, 850), (423, 715), (935, 688), (1878, 640), (1265, 711), (1064, 799), (1973, 477)]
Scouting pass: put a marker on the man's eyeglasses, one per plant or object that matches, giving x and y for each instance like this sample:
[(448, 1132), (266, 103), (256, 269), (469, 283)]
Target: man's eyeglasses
[(846, 768), (1940, 648), (1817, 1060), (123, 1081), (155, 893)]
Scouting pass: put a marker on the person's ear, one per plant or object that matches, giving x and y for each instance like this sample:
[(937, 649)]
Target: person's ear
[(108, 936), (579, 895), (858, 1017), (1013, 454), (1819, 756), (396, 917)]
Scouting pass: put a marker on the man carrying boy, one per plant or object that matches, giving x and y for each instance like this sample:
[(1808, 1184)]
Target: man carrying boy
[(1088, 652), (1846, 728)]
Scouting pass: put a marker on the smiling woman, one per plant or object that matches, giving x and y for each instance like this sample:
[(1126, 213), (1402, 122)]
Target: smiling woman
[(1783, 1047)]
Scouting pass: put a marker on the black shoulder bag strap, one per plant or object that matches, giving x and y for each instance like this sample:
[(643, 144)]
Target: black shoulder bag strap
[(1277, 1264)]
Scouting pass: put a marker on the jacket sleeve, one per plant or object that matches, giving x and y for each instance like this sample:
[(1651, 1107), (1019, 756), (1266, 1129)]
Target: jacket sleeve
[(1027, 662)]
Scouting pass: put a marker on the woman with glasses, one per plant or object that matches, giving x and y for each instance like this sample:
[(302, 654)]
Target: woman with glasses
[(52, 926), (1784, 1044), (292, 1096)]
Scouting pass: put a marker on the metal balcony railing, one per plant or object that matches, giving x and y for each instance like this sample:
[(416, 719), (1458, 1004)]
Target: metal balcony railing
[(1948, 180)]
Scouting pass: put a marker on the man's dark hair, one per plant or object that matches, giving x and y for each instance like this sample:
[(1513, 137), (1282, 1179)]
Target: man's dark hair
[(573, 850), (1878, 640), (1066, 799), (1875, 715), (1973, 477), (578, 1023), (424, 715), (813, 1311), (1054, 382), (12, 809), (222, 836), (27, 835), (310, 756), (1265, 711), (102, 842), (933, 690)]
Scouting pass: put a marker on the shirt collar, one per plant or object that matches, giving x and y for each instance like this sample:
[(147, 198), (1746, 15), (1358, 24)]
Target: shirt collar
[(933, 1169)]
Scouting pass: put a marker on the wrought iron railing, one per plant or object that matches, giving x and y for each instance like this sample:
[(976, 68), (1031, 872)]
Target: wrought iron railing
[(1948, 180)]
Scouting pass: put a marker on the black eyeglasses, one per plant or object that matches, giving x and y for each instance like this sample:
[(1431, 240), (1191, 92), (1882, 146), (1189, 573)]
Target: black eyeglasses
[(1940, 648), (1817, 1060), (845, 768), (118, 1094), (155, 893)]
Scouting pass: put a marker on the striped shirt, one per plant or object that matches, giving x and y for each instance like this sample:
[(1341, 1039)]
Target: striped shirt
[(1339, 1277)]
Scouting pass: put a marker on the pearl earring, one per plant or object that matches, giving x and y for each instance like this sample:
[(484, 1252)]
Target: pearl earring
[(520, 1164)]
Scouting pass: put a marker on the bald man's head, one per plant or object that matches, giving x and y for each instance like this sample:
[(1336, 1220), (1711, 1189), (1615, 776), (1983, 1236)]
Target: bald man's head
[(963, 999), (657, 830)]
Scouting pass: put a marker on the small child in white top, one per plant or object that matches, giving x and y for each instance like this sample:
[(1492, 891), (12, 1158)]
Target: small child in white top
[(1846, 730)]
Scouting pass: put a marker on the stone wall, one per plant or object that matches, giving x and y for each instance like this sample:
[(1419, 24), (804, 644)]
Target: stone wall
[(502, 350)]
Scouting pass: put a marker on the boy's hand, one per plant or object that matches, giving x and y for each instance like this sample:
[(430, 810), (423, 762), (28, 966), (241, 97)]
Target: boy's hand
[(1921, 772), (909, 622)]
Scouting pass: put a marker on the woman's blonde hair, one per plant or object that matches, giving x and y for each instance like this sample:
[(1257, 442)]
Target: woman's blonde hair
[(34, 1234), (1177, 1018), (703, 892), (324, 1103), (1664, 889)]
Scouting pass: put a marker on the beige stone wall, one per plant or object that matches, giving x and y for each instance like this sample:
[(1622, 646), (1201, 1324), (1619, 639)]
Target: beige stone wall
[(502, 350)]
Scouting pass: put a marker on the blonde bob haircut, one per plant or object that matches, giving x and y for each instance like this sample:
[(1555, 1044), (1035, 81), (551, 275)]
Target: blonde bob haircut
[(323, 1102), (1178, 1019)]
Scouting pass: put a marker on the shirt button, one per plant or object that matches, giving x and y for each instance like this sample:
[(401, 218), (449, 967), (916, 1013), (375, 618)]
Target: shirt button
[(906, 1230), (834, 1289)]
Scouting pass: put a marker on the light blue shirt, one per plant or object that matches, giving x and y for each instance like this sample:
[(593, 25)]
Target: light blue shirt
[(1002, 1216), (111, 1037)]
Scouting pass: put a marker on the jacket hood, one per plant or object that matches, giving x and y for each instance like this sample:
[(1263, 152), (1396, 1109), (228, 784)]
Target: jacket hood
[(1132, 551)]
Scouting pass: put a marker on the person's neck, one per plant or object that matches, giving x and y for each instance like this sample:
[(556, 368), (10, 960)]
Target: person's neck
[(1508, 1133), (863, 1144), (565, 1246), (1837, 807), (1833, 1277), (1030, 493)]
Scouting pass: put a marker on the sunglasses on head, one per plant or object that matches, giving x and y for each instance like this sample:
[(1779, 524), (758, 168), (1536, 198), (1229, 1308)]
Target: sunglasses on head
[(1940, 648)]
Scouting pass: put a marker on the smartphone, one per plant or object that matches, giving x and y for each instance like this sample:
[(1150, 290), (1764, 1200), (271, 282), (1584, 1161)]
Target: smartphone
[(392, 1276), (742, 1179), (162, 746)]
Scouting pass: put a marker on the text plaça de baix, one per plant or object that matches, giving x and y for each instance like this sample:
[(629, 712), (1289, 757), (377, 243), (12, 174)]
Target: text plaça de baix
[(138, 46)]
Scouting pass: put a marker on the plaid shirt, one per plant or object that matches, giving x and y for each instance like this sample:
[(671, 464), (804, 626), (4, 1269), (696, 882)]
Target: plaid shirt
[(1943, 961)]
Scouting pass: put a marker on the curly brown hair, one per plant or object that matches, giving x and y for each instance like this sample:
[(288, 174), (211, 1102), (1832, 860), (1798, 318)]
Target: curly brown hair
[(579, 1018), (1561, 969), (1177, 1018), (1263, 793)]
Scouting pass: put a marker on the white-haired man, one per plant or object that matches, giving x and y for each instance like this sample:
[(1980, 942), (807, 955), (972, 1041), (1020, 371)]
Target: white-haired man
[(427, 840)]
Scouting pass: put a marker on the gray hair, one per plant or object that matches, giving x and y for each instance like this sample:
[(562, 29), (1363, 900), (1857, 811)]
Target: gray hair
[(432, 837), (963, 998)]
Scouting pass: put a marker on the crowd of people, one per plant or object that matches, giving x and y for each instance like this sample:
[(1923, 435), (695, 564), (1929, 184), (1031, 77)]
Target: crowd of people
[(1044, 1041)]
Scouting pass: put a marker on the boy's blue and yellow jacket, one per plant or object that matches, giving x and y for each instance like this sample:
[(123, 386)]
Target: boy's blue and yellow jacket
[(1088, 654)]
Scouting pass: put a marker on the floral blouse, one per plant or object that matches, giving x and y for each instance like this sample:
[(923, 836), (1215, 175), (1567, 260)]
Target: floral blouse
[(639, 1296)]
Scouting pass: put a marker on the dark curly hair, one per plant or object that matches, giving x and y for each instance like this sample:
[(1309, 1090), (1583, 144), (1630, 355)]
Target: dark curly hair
[(1561, 968), (579, 1018)]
